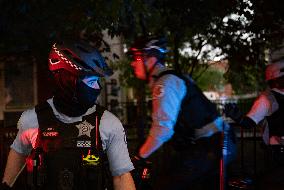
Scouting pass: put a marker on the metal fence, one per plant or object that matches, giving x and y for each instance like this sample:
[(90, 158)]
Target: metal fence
[(250, 151)]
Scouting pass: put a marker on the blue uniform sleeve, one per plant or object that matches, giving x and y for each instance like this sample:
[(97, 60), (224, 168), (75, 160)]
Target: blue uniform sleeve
[(168, 93)]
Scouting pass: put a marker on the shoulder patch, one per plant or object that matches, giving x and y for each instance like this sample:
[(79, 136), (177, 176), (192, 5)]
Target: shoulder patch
[(158, 91)]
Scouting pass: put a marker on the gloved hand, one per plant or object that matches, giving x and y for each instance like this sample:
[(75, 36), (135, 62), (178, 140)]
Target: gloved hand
[(4, 186), (142, 168), (138, 161), (231, 110)]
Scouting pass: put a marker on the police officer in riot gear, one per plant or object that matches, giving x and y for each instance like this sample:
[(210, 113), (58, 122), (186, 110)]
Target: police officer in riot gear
[(71, 137), (182, 116)]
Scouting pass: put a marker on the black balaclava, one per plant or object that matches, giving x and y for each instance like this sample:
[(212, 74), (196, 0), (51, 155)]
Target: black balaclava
[(72, 96)]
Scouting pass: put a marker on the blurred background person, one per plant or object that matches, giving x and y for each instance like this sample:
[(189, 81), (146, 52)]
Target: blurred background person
[(182, 115), (268, 111)]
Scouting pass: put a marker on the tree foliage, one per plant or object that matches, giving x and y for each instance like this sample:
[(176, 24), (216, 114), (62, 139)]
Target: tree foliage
[(243, 38)]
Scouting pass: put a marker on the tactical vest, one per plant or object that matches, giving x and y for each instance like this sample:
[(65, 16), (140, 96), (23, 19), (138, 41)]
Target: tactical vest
[(196, 111), (276, 120), (70, 154)]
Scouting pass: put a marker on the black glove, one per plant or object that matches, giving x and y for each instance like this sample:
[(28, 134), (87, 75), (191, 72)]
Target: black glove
[(231, 110), (142, 169), (4, 186), (139, 161)]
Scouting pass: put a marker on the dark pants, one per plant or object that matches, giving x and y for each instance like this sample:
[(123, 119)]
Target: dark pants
[(195, 168)]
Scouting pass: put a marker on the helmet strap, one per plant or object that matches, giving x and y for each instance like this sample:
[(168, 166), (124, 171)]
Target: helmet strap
[(150, 70)]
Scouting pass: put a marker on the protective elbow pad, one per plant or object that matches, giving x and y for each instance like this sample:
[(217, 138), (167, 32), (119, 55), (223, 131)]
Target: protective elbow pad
[(247, 122)]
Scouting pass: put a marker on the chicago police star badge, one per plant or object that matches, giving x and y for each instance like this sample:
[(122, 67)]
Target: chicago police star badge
[(85, 128)]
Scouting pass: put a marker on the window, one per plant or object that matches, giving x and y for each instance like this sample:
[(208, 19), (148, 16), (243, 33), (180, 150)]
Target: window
[(18, 85)]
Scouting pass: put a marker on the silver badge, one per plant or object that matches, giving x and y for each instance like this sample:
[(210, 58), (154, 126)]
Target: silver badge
[(85, 128)]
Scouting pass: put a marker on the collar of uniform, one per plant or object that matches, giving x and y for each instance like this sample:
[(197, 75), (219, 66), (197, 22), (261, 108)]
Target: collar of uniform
[(66, 119), (157, 70)]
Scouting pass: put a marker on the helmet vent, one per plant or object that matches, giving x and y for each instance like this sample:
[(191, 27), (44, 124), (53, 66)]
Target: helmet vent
[(82, 63), (53, 60)]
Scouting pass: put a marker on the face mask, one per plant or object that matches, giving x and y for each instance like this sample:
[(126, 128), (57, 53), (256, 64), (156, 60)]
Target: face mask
[(86, 96), (73, 97)]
